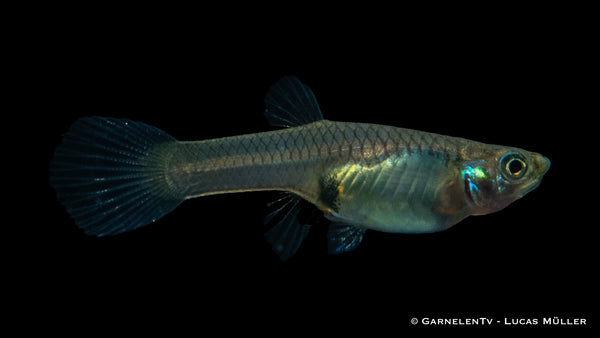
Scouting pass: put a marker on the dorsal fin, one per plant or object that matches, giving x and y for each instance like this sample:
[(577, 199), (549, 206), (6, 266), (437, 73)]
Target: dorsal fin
[(289, 103)]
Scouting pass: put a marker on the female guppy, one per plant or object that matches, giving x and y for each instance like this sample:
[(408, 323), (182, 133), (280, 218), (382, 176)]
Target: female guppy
[(117, 175)]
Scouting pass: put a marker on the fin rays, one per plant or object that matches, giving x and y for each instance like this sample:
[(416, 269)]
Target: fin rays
[(108, 174), (289, 103), (286, 236), (105, 172)]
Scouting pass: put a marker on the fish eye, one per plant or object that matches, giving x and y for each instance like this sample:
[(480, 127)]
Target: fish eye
[(513, 165)]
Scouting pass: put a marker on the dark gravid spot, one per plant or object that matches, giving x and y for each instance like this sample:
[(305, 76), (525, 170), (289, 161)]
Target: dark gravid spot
[(329, 193)]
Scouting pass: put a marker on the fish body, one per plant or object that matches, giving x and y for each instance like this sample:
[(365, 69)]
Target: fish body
[(385, 178), (116, 175)]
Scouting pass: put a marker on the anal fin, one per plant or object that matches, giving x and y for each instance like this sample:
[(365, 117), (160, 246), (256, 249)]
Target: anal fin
[(287, 235)]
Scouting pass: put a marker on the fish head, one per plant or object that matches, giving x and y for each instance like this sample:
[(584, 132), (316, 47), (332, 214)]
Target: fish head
[(495, 176)]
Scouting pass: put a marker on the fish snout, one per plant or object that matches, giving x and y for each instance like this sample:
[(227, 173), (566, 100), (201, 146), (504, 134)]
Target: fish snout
[(543, 164)]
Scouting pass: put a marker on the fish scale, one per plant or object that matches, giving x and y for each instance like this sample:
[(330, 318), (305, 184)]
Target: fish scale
[(299, 165), (117, 175)]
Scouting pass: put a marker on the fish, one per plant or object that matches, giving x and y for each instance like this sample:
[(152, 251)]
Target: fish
[(115, 175)]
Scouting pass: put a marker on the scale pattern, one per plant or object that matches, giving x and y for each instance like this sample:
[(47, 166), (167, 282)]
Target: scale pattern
[(293, 159)]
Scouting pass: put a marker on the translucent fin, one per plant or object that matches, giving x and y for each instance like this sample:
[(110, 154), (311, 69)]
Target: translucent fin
[(343, 237), (290, 103), (109, 177), (287, 235)]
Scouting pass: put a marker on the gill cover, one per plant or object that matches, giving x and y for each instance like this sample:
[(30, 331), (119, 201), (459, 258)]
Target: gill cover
[(502, 177)]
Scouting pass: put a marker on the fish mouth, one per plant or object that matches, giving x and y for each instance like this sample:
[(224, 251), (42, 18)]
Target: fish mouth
[(530, 187), (543, 164)]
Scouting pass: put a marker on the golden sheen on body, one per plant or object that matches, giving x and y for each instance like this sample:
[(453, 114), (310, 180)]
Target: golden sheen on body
[(115, 175)]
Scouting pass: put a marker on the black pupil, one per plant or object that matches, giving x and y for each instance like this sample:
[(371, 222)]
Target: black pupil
[(515, 166)]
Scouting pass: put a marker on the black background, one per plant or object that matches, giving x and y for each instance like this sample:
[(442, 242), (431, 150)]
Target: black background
[(517, 80)]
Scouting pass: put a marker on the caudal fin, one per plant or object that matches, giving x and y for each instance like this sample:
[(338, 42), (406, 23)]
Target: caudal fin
[(109, 174)]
